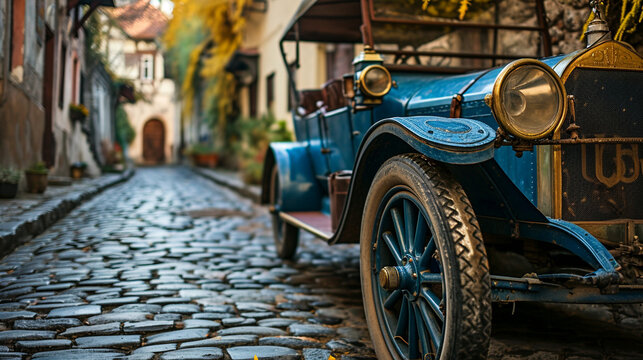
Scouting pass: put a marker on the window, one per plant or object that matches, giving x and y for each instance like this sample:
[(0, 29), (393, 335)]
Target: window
[(270, 91), (252, 98), (147, 67)]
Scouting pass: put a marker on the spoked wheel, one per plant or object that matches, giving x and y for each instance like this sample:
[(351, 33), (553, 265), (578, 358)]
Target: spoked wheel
[(424, 270), (286, 236)]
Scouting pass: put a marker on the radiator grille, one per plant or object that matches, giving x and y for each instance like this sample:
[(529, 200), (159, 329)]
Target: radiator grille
[(604, 181)]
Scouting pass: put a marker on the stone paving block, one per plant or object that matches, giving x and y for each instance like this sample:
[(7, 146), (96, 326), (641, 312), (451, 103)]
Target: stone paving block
[(147, 326), (181, 308), (200, 323), (75, 311), (14, 315), (310, 330), (168, 300), (177, 336), (290, 341), (193, 354), (146, 308), (155, 348), (262, 352), (119, 317), (78, 354), (101, 329), (53, 344), (117, 301), (8, 336), (108, 341), (222, 341), (251, 330), (316, 354)]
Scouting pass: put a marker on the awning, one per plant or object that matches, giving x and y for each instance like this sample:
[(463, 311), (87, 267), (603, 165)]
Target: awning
[(332, 21)]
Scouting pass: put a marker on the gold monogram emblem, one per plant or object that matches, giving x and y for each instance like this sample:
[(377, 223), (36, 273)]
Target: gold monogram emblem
[(625, 165)]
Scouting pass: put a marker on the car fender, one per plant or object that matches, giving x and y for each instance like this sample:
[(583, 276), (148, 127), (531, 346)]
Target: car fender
[(296, 177), (447, 140)]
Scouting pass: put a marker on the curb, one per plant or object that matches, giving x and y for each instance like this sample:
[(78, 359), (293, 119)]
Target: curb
[(15, 234), (247, 191)]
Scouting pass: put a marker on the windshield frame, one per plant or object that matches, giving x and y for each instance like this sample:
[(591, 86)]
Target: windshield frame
[(544, 49)]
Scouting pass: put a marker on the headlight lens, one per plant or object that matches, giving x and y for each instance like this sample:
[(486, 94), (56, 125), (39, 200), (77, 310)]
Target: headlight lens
[(529, 99), (375, 81)]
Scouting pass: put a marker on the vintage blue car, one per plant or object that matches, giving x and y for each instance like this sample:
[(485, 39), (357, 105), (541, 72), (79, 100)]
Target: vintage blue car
[(468, 173)]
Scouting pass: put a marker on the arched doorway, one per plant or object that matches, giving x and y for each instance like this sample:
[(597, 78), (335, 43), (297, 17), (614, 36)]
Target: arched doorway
[(154, 141)]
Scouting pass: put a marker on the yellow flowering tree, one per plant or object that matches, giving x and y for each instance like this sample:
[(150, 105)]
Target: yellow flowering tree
[(201, 38)]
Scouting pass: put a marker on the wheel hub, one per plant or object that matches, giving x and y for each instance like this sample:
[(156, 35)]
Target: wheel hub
[(403, 278)]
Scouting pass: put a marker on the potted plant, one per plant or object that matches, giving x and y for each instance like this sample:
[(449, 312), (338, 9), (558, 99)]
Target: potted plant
[(37, 178), (78, 169), (204, 155), (9, 179), (78, 112)]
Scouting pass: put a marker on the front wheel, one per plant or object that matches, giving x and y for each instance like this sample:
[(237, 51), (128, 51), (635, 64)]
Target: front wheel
[(424, 269), (286, 236)]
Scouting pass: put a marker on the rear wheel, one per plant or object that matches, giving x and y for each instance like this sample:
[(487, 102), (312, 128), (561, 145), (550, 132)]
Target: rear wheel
[(424, 270), (286, 236)]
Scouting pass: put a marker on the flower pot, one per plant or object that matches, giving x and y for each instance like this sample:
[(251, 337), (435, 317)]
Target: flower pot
[(206, 160), (8, 190), (36, 182), (77, 172)]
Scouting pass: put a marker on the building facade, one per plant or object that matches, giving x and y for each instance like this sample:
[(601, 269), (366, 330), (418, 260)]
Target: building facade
[(133, 52), (43, 72)]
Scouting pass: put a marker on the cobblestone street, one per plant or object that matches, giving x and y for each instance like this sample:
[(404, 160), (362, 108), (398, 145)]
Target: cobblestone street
[(171, 266)]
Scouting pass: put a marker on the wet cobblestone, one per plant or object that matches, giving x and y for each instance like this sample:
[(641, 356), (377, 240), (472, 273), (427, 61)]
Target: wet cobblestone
[(170, 266)]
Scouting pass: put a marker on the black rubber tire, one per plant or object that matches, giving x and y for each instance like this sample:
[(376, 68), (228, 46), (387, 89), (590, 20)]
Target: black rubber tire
[(467, 318), (285, 235)]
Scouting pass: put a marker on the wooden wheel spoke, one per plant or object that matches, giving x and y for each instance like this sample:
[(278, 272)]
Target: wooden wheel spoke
[(403, 320), (421, 229), (435, 331), (392, 246), (409, 223), (433, 302), (423, 332), (392, 299), (398, 223), (413, 333), (425, 260), (431, 278)]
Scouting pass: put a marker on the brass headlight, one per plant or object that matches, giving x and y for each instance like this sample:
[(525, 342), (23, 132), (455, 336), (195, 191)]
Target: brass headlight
[(529, 99), (375, 81)]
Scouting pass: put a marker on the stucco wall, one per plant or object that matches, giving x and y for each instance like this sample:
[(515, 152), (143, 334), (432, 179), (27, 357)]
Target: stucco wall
[(263, 32)]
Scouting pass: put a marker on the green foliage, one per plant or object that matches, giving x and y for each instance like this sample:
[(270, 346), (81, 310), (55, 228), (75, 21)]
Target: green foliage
[(125, 133), (9, 176), (94, 39), (38, 168), (256, 135)]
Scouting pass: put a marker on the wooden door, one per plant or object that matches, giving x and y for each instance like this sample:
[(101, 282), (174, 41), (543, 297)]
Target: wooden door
[(153, 141)]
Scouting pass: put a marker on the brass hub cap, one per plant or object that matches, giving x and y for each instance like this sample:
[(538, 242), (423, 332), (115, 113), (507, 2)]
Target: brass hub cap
[(389, 278)]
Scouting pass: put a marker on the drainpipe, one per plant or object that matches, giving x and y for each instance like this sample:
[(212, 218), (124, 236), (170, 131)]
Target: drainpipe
[(7, 49)]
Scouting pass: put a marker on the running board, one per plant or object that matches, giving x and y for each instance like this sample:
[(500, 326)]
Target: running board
[(510, 289), (314, 222)]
